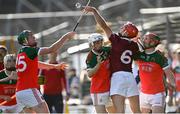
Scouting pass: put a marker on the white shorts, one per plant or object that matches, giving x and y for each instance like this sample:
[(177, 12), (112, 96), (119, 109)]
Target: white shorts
[(101, 99), (124, 84), (28, 98), (178, 95), (152, 100), (12, 108)]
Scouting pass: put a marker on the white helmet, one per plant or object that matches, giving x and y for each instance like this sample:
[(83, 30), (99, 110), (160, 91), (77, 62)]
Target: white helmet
[(94, 37), (9, 57)]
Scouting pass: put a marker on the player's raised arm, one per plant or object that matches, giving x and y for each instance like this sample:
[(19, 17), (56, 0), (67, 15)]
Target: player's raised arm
[(58, 44), (100, 20)]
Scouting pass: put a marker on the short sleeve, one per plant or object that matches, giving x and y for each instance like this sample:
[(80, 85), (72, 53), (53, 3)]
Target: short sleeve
[(89, 61)]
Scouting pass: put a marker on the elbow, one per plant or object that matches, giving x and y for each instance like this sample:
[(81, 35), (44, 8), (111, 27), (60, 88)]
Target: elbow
[(89, 74), (52, 50)]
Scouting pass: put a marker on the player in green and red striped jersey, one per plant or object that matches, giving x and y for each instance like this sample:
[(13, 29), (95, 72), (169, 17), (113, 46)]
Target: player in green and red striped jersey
[(98, 70), (8, 88), (152, 67), (3, 52), (27, 95)]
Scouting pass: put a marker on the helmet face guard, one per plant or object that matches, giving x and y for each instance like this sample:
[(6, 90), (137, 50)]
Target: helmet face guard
[(129, 30), (150, 40), (94, 37), (23, 36)]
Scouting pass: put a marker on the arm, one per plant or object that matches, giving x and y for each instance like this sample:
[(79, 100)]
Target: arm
[(43, 65), (58, 44), (100, 20), (10, 77), (93, 70), (170, 78)]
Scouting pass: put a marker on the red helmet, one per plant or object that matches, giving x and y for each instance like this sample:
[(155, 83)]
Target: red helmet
[(129, 30)]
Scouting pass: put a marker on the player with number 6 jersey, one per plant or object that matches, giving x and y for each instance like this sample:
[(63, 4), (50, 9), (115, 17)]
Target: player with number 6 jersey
[(123, 84)]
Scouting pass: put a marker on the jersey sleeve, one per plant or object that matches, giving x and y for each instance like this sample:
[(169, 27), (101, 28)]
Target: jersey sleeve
[(136, 56), (89, 62), (164, 63), (135, 47), (32, 52), (113, 37)]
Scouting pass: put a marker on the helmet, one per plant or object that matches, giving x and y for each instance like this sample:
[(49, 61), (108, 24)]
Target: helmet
[(150, 38), (22, 38), (3, 52), (3, 48), (95, 37), (9, 57), (129, 30), (10, 62)]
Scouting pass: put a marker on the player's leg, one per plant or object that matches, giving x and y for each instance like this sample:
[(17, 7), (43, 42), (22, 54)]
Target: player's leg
[(119, 103), (134, 104), (145, 110), (41, 108), (158, 103), (49, 100), (58, 103), (110, 109), (28, 110), (133, 93), (99, 101), (100, 109), (145, 106), (157, 109), (118, 90), (110, 106)]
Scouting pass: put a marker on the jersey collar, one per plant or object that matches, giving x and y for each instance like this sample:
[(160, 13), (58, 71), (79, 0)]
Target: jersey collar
[(97, 52), (150, 52)]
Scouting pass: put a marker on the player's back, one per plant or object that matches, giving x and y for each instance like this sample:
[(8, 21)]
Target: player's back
[(122, 53)]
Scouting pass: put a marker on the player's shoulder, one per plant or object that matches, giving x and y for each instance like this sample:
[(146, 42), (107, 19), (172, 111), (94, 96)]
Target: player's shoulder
[(159, 53), (31, 49), (2, 72), (106, 48), (89, 56)]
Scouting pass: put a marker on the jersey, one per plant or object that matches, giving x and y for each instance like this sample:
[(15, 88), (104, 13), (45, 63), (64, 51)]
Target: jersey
[(7, 88), (122, 52), (101, 79), (55, 81), (27, 68), (151, 71), (1, 66), (177, 77)]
